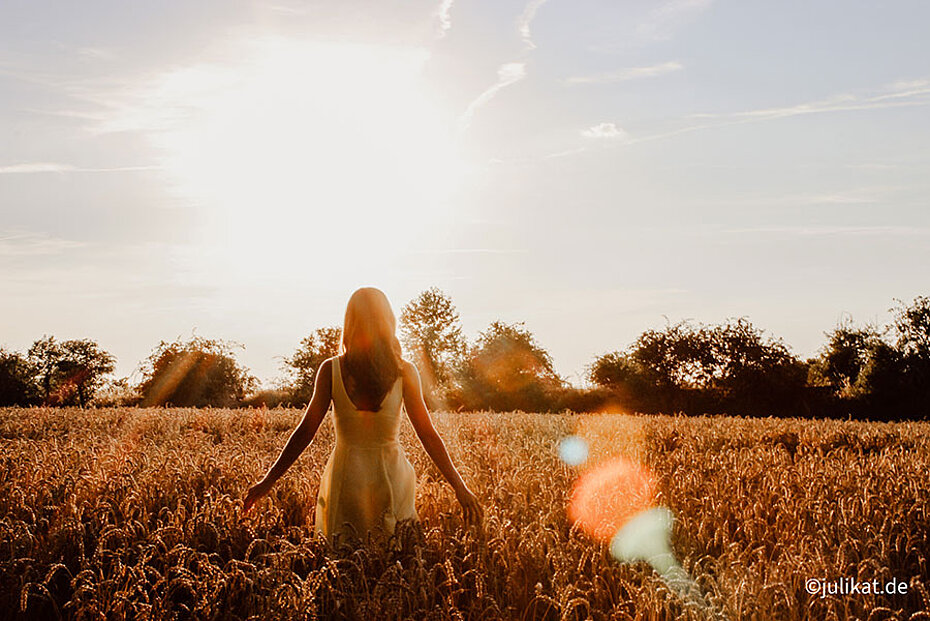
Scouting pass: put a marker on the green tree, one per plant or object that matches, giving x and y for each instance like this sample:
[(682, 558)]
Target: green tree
[(303, 365), (679, 356), (880, 373), (81, 370), (198, 372), (619, 372), (661, 371), (731, 366), (431, 331), (17, 379), (613, 369), (911, 325), (850, 355), (506, 370), (753, 372), (44, 355)]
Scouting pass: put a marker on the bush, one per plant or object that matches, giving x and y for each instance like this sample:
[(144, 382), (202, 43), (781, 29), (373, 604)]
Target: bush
[(727, 368), (506, 370), (197, 373), (270, 398), (17, 380)]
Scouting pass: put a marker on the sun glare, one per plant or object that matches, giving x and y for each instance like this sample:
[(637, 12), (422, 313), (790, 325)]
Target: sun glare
[(293, 149)]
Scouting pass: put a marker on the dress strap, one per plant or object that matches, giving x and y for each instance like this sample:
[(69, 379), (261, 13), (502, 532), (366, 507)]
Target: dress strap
[(337, 379)]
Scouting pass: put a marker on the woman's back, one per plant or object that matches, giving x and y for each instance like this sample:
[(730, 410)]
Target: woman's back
[(368, 482), (357, 427)]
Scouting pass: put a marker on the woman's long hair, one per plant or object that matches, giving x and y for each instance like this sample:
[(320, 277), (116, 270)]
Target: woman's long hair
[(369, 341)]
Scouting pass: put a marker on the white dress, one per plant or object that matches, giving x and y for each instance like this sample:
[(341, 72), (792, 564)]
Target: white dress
[(368, 481)]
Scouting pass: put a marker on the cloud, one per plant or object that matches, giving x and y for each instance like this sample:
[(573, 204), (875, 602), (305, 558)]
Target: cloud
[(908, 87), (845, 197), (524, 21), (630, 73), (444, 14), (896, 95), (95, 53), (664, 21), (30, 244), (856, 196), (285, 9), (35, 167), (54, 167), (565, 153), (507, 74), (608, 131), (469, 251), (901, 94), (832, 231)]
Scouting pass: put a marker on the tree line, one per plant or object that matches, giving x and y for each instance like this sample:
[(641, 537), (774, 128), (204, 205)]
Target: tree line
[(877, 372)]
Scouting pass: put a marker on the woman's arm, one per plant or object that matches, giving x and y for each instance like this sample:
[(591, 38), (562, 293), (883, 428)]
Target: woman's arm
[(301, 437), (435, 447)]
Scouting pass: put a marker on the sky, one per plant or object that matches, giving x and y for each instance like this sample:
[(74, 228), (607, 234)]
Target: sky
[(236, 169)]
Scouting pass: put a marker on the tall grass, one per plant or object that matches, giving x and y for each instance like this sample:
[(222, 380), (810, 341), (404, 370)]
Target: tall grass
[(135, 514)]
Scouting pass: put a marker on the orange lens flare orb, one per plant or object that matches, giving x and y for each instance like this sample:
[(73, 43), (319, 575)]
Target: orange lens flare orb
[(606, 497)]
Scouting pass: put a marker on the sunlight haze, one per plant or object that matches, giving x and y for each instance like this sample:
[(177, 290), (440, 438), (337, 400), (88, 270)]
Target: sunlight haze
[(591, 169)]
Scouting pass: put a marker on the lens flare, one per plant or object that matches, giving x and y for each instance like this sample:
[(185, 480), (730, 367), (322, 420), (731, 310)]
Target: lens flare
[(573, 450), (606, 497), (614, 502), (647, 537)]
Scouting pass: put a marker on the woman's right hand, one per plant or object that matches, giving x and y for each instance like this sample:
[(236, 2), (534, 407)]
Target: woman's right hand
[(471, 508), (255, 493)]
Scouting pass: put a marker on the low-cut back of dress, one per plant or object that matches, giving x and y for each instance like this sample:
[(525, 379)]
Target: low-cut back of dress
[(368, 481)]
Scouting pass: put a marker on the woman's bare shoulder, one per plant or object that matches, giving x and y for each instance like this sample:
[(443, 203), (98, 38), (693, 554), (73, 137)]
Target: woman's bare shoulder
[(326, 367), (408, 370)]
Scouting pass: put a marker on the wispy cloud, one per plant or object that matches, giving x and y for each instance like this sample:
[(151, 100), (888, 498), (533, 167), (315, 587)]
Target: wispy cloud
[(95, 53), (873, 166), (285, 9), (665, 20), (855, 196), (848, 197), (905, 88), (896, 95), (54, 167), (35, 167), (31, 244), (507, 74), (608, 131), (524, 21), (564, 153), (470, 251), (832, 231), (444, 15), (630, 73)]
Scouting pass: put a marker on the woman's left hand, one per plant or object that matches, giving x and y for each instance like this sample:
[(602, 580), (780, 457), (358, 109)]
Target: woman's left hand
[(255, 493), (471, 508)]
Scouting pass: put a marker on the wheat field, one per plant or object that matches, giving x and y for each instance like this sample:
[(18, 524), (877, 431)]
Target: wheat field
[(135, 514)]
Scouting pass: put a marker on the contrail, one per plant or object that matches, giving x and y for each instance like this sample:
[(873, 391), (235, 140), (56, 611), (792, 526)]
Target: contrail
[(445, 17), (507, 74), (523, 23)]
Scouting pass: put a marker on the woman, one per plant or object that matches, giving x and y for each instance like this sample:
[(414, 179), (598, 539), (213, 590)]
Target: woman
[(367, 483)]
